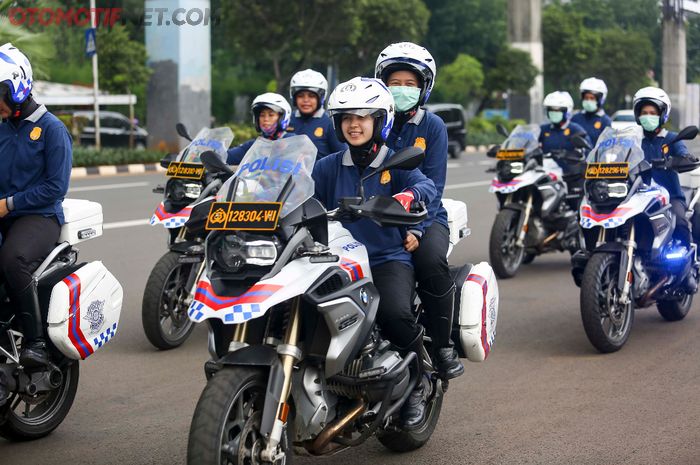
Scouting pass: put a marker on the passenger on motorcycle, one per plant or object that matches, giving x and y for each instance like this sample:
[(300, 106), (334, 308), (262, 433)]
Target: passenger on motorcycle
[(651, 110), (409, 71), (34, 176), (593, 118), (308, 90), (271, 114), (363, 112)]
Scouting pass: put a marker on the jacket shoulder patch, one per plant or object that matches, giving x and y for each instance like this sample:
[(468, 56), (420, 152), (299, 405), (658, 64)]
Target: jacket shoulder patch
[(35, 134), (420, 142)]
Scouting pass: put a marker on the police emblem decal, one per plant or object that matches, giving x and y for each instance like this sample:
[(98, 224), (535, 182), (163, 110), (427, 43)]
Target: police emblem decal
[(95, 315)]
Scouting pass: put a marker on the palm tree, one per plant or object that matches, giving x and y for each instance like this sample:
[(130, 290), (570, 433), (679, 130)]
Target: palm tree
[(37, 46)]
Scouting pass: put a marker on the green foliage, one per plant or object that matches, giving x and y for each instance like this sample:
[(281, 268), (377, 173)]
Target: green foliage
[(83, 156), (122, 60), (693, 48), (482, 131), (513, 70), (242, 132), (461, 81)]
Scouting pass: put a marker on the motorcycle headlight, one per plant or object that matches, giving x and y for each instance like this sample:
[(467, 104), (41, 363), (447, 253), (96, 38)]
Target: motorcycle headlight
[(517, 167), (179, 190), (260, 253), (232, 252), (597, 191), (617, 189)]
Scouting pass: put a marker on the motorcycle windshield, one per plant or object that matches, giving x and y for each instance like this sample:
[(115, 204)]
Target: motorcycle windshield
[(216, 140), (524, 136), (618, 146), (274, 171)]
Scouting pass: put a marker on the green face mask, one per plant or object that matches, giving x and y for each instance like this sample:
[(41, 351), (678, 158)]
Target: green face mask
[(589, 105), (649, 122), (555, 116), (405, 97)]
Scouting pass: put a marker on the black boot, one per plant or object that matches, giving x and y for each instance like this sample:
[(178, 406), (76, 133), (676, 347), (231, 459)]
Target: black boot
[(413, 410), (440, 311), (34, 353)]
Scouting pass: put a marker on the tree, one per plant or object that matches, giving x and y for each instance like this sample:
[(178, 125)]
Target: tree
[(122, 61), (461, 81), (38, 47), (513, 71)]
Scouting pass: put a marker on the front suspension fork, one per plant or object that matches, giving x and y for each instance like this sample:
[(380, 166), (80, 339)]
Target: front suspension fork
[(631, 246), (526, 219), (289, 354)]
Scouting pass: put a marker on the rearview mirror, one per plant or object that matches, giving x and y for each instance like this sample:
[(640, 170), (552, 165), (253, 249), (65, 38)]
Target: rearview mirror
[(166, 160), (687, 133), (502, 130), (579, 142), (182, 131), (214, 164), (407, 158), (493, 151)]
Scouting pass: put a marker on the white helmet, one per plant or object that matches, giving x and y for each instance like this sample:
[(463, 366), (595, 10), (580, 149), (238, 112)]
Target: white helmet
[(559, 100), (16, 72), (274, 102), (408, 56), (596, 87), (363, 96), (656, 97), (309, 80)]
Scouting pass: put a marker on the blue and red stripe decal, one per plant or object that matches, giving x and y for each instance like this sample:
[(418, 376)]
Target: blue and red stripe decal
[(352, 268), (161, 214), (587, 212), (255, 295), (481, 281), (75, 334)]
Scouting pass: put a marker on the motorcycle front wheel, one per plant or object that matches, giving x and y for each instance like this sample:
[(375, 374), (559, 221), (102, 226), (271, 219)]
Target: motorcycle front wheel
[(225, 427), (504, 253), (164, 308), (607, 322)]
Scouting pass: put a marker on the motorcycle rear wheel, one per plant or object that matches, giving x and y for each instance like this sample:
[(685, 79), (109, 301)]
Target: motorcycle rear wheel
[(675, 310), (33, 417)]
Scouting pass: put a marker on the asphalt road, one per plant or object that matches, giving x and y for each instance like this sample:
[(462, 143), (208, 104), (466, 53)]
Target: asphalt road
[(543, 396)]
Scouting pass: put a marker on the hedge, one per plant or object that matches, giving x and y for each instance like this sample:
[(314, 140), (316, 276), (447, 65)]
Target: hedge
[(83, 156)]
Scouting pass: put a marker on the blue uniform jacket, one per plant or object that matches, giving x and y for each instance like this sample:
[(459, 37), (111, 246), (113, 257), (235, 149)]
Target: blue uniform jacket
[(319, 128), (428, 131), (593, 123), (36, 158), (336, 176), (553, 137), (655, 146), (236, 154)]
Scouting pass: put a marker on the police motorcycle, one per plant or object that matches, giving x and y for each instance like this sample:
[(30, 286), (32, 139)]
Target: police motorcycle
[(298, 363), (170, 286), (80, 303), (537, 214), (634, 262)]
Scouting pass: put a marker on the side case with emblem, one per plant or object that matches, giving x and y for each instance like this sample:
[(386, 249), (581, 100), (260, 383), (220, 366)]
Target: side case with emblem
[(84, 310), (476, 312)]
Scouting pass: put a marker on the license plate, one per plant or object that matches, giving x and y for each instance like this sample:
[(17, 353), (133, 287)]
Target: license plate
[(182, 170), (607, 170), (243, 216), (510, 154)]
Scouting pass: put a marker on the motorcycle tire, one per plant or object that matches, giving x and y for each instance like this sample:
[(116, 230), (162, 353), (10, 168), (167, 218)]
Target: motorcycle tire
[(598, 288), (229, 413), (167, 276), (399, 440), (675, 310), (504, 255), (28, 418)]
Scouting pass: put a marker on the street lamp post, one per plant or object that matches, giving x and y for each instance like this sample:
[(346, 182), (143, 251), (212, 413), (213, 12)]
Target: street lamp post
[(95, 82)]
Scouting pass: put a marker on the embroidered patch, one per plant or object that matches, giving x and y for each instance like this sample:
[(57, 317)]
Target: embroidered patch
[(318, 132), (420, 142), (386, 177), (35, 134), (567, 131), (546, 134), (597, 124), (664, 149)]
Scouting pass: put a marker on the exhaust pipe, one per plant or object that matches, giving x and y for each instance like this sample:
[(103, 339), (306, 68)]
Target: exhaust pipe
[(334, 429)]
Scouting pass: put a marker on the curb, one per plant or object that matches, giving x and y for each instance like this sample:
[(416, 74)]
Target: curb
[(82, 172), (476, 148)]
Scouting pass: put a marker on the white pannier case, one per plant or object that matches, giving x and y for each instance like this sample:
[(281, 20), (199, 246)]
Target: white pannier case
[(84, 310), (83, 221), (478, 312)]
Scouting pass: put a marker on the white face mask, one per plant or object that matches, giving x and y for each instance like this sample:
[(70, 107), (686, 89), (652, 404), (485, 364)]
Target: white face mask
[(555, 116), (590, 106)]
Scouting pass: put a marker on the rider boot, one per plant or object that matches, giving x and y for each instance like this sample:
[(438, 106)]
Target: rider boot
[(682, 232), (34, 353), (440, 314), (413, 410)]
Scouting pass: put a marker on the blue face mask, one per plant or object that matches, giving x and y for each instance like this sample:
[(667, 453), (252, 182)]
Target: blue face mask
[(405, 97), (649, 122), (555, 116)]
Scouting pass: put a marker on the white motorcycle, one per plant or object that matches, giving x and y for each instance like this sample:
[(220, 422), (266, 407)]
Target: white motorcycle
[(82, 303), (635, 262), (297, 359)]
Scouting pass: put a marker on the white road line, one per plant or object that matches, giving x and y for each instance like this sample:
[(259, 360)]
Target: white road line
[(124, 185), (453, 164), (465, 185), (126, 224)]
